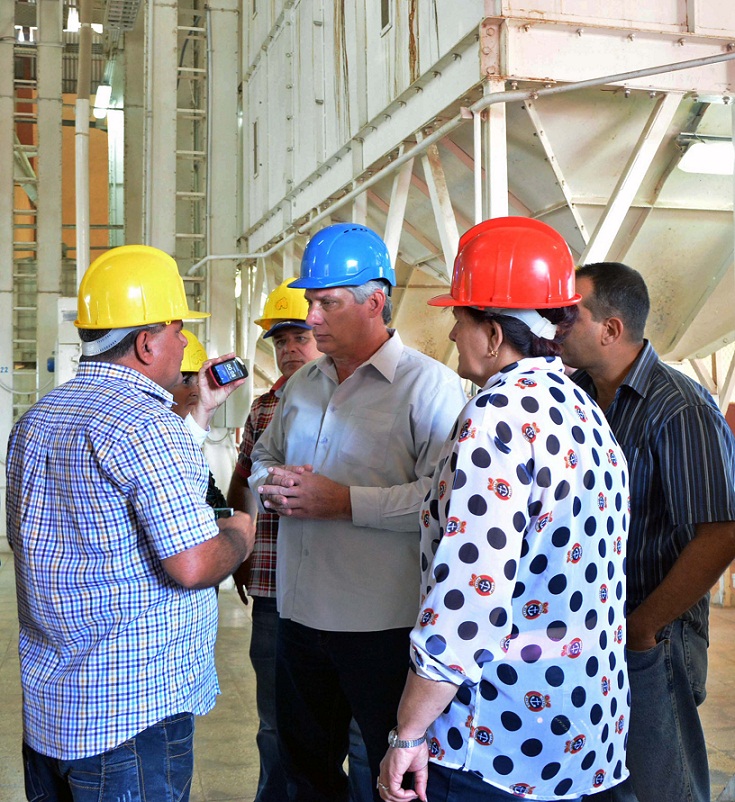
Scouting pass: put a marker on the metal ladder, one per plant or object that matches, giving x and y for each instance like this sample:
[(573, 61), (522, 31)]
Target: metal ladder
[(191, 144), (25, 388)]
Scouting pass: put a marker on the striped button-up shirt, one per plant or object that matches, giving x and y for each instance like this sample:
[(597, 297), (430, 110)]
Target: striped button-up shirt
[(681, 458), (105, 482)]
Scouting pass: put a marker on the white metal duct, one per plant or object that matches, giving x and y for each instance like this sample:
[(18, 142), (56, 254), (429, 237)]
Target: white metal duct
[(120, 15)]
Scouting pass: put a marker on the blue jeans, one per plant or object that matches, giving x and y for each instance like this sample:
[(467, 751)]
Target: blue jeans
[(667, 755), (323, 680), (454, 785), (272, 781), (156, 764)]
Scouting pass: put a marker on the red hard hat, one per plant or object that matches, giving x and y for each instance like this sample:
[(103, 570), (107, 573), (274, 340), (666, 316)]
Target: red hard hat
[(511, 263)]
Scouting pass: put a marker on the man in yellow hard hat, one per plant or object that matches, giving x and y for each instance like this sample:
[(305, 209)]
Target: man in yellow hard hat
[(186, 397), (116, 550)]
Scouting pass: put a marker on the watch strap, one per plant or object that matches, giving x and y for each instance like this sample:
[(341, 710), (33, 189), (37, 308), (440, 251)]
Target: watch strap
[(401, 743)]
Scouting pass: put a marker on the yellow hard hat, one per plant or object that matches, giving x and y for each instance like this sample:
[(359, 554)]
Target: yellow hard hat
[(133, 285), (194, 354), (284, 303)]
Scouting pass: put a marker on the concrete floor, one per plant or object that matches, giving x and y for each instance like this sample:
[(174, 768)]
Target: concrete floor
[(226, 764)]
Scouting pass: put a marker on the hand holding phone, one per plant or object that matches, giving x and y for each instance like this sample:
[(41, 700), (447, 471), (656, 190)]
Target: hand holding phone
[(228, 371)]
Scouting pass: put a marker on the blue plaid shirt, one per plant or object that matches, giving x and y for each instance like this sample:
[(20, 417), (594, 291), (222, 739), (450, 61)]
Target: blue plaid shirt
[(681, 458), (104, 482)]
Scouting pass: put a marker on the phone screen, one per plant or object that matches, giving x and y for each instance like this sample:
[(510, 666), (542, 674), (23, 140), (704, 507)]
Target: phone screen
[(229, 371)]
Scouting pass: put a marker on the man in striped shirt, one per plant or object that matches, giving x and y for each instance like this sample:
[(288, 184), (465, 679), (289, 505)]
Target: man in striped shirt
[(681, 457)]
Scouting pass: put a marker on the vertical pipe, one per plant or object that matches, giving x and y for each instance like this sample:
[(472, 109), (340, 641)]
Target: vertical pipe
[(148, 125), (82, 137), (477, 147), (495, 151)]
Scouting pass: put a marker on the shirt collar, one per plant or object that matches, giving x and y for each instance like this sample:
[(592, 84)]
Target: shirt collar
[(277, 388), (384, 360), (529, 364), (641, 372), (105, 371), (638, 378)]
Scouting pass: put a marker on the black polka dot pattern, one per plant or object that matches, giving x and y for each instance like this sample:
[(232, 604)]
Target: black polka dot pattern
[(523, 588)]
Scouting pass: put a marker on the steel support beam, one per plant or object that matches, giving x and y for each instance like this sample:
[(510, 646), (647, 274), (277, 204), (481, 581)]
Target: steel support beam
[(160, 135), (222, 192), (583, 52), (543, 138), (419, 236), (134, 132), (728, 387), (290, 263), (397, 209), (441, 203), (704, 374), (49, 206), (359, 209), (469, 162), (629, 182), (7, 127)]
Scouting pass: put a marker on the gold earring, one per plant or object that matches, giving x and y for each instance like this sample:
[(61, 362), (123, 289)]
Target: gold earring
[(493, 353)]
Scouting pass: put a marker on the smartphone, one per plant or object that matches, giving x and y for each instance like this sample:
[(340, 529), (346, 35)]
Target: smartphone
[(228, 371), (223, 512)]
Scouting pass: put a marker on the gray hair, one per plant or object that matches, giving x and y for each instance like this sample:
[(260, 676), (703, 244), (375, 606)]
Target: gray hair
[(363, 291)]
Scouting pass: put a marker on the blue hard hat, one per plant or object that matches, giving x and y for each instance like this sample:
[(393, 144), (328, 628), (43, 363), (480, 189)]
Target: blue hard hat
[(344, 255)]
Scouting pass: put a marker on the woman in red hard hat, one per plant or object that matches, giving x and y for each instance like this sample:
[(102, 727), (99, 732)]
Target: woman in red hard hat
[(518, 685)]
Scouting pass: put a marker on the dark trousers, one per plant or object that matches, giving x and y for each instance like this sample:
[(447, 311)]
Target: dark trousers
[(323, 679), (271, 782)]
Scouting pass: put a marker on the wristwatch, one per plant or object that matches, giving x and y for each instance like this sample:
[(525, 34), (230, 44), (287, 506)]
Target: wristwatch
[(397, 743)]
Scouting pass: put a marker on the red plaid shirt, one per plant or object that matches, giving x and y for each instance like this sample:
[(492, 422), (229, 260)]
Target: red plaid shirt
[(258, 574)]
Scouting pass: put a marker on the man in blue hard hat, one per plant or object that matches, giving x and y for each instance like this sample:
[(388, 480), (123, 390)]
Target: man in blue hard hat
[(346, 462)]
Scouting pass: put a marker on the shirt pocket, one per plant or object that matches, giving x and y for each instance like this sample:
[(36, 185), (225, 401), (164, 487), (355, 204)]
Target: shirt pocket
[(367, 438)]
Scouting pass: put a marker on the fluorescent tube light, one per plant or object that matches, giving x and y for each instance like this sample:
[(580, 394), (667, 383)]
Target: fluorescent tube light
[(102, 101), (711, 158)]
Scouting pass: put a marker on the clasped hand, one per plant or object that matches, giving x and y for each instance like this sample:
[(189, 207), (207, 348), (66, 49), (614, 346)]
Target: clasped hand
[(296, 491)]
